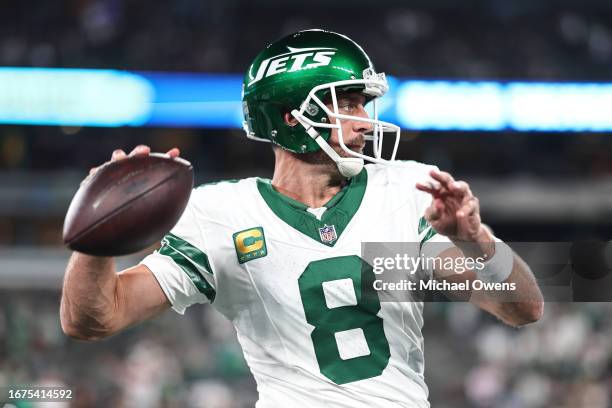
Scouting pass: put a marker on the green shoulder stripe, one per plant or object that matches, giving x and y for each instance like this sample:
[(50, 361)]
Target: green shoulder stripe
[(192, 253), (191, 260)]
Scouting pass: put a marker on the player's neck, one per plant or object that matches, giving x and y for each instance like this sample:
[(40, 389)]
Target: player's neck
[(313, 184)]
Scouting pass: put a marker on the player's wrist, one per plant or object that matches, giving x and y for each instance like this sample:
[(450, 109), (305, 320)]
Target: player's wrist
[(496, 256), (498, 267), (480, 245)]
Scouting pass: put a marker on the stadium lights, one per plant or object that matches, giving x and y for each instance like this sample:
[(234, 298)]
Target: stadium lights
[(78, 97), (74, 97)]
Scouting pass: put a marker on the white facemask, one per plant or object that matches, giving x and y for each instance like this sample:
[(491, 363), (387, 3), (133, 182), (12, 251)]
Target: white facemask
[(374, 85)]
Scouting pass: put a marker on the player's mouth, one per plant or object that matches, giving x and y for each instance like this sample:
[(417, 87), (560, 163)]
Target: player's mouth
[(356, 147)]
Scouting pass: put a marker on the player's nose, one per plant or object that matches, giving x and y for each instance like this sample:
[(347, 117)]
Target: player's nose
[(362, 126)]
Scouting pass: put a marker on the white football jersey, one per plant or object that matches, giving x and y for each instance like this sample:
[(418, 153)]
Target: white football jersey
[(289, 278)]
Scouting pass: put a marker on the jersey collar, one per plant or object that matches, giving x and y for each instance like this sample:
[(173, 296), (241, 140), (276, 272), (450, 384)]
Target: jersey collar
[(340, 209)]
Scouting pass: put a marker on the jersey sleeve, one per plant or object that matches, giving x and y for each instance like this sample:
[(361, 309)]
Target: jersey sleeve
[(182, 265)]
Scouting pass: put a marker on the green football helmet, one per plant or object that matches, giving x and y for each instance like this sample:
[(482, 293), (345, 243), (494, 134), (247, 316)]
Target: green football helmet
[(296, 74)]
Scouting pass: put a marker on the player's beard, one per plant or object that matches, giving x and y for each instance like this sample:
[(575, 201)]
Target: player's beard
[(322, 160)]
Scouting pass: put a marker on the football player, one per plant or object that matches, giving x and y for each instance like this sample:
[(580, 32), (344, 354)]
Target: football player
[(281, 258)]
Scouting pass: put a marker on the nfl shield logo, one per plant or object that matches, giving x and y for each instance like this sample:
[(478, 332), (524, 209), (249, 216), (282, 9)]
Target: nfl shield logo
[(328, 234)]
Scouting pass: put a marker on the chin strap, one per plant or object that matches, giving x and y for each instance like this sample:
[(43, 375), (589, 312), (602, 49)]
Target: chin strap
[(348, 166)]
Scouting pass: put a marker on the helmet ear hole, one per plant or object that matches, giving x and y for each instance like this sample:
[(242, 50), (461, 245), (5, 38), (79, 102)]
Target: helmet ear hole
[(289, 119)]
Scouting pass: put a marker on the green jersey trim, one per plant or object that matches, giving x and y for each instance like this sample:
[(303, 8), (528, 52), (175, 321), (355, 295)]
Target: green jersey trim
[(190, 259), (424, 226), (429, 235), (340, 209)]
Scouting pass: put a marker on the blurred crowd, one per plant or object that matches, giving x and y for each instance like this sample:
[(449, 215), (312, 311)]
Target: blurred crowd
[(478, 39), (562, 361), (194, 361)]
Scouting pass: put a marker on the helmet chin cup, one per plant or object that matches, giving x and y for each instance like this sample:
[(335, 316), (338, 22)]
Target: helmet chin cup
[(350, 166)]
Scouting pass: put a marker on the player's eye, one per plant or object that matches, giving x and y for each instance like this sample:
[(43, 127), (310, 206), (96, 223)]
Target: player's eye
[(348, 106)]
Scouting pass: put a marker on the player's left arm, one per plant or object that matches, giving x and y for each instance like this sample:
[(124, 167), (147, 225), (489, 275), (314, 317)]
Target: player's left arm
[(455, 213)]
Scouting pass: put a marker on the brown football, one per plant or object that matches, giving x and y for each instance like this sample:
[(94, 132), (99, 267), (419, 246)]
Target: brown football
[(128, 205)]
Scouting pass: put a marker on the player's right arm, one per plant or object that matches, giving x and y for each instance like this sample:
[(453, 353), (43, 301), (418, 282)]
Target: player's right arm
[(97, 301)]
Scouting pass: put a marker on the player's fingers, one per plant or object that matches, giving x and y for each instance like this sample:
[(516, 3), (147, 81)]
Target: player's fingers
[(174, 152), (460, 188), (428, 187), (140, 150), (468, 224), (118, 154), (93, 170), (434, 211), (441, 176), (422, 187), (431, 214), (476, 205), (468, 209)]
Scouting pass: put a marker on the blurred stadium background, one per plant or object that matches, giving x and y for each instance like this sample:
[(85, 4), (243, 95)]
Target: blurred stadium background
[(534, 185)]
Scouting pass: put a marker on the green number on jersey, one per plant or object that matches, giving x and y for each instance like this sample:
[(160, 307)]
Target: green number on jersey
[(328, 322)]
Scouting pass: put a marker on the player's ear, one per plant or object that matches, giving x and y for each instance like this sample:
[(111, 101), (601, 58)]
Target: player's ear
[(289, 119)]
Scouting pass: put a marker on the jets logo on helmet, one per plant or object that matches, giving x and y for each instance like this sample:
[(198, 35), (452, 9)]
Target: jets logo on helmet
[(293, 60), (298, 75)]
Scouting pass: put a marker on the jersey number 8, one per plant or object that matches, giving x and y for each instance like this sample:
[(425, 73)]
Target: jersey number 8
[(348, 336)]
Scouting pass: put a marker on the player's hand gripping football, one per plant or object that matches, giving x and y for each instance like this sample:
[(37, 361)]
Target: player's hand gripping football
[(128, 203), (119, 154), (454, 211)]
